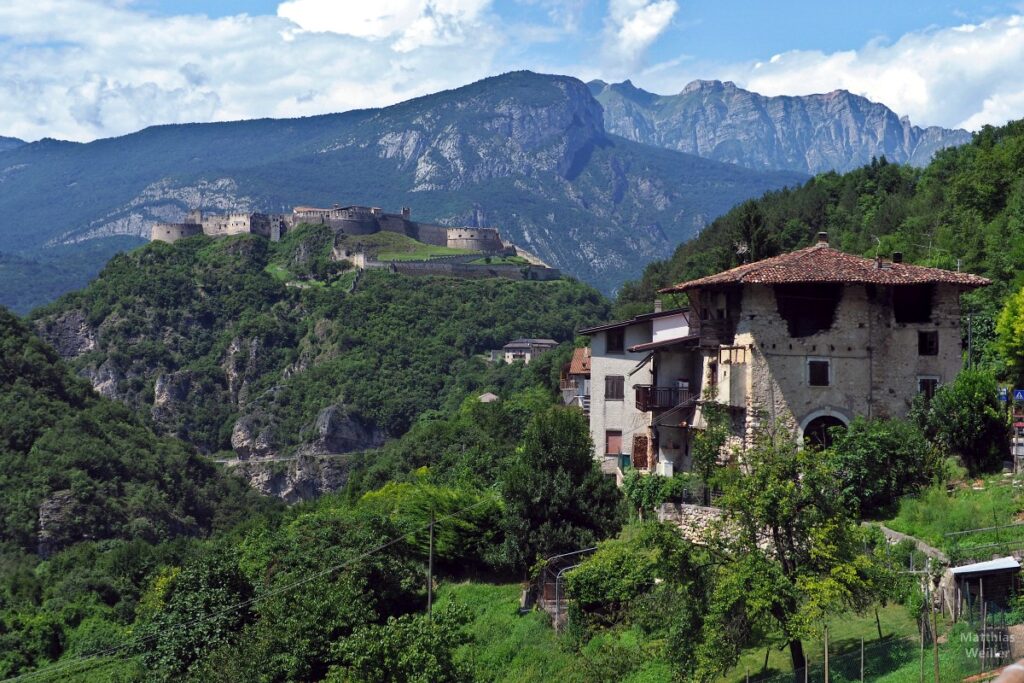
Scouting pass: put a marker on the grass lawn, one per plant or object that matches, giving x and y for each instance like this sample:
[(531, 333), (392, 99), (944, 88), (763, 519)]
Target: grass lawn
[(390, 246), (278, 272), (989, 502), (509, 646), (845, 632), (498, 260)]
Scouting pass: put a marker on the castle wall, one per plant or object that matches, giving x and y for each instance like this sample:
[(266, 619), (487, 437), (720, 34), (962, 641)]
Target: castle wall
[(436, 235), (172, 232), (476, 239)]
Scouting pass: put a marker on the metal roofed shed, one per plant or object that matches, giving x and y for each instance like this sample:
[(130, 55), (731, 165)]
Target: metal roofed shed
[(989, 583)]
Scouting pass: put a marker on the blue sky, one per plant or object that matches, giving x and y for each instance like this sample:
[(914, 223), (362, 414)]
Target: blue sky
[(82, 69)]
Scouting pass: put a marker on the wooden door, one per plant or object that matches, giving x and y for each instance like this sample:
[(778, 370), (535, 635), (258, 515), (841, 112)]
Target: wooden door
[(640, 451)]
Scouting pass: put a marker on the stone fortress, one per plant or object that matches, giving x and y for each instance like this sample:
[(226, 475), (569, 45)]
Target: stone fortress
[(350, 220), (271, 226), (481, 244)]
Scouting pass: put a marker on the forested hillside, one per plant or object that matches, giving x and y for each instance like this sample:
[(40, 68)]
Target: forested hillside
[(329, 590), (74, 465), (272, 348), (965, 209)]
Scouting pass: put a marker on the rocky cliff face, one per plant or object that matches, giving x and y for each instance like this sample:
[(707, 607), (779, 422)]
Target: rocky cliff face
[(835, 131)]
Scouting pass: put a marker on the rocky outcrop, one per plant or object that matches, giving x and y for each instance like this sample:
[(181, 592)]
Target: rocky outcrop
[(170, 391), (105, 379), (836, 131), (296, 479), (337, 431), (241, 367), (56, 514), (69, 333), (252, 437)]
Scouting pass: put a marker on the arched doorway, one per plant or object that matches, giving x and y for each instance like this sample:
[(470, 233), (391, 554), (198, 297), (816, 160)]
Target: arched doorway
[(816, 432)]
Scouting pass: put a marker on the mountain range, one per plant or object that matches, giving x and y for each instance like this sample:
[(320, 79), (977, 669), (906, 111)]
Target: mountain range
[(577, 174), (9, 143), (836, 131), (525, 152)]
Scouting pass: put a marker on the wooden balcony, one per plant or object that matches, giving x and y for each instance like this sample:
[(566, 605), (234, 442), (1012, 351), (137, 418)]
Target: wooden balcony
[(650, 397), (714, 333)]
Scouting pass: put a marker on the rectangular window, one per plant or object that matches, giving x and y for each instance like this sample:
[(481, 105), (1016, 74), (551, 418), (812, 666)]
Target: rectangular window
[(614, 387), (927, 385), (928, 343), (818, 372), (612, 442), (616, 340)]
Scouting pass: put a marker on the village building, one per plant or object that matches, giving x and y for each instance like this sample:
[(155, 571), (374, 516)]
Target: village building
[(802, 342), (574, 380), (620, 372), (526, 350)]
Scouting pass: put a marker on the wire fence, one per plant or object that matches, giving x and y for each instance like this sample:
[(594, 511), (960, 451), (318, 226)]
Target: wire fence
[(879, 658)]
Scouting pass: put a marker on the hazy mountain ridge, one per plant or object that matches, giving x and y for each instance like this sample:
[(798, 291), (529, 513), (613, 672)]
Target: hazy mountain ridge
[(524, 152), (836, 131), (10, 143)]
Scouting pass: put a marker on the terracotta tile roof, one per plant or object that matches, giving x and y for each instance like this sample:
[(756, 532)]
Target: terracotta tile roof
[(822, 263), (580, 363)]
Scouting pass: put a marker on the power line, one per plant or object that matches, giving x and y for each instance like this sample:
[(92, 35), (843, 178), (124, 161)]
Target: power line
[(53, 668)]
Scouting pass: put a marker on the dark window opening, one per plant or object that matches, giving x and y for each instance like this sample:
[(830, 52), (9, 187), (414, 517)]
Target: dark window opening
[(927, 386), (928, 343), (912, 303), (808, 309), (817, 373), (616, 340), (614, 387), (820, 430)]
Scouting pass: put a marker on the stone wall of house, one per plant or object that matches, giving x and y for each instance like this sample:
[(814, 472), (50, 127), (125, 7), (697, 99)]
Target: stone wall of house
[(874, 361)]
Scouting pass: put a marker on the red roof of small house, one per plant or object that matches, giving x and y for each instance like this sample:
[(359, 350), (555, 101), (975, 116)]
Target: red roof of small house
[(580, 363), (821, 263)]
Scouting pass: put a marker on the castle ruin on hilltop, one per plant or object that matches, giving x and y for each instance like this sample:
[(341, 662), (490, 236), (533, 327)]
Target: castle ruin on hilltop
[(351, 220)]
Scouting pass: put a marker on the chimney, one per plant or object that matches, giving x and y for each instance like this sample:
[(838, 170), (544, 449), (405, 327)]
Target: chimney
[(897, 257), (406, 212), (823, 239), (657, 305)]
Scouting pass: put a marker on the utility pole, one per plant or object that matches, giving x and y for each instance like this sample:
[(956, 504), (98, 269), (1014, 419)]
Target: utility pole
[(430, 571), (826, 653), (935, 626), (861, 660)]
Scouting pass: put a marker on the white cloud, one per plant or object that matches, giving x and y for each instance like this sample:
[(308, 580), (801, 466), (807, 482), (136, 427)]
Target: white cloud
[(411, 23), (631, 27), (963, 76), (82, 69)]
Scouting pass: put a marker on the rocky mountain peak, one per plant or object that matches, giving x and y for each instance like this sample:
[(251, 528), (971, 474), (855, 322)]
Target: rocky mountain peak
[(838, 130)]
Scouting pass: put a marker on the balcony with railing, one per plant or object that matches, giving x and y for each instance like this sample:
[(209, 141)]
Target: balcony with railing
[(649, 397)]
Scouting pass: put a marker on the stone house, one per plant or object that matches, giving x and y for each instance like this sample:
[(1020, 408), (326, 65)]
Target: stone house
[(804, 342), (526, 350)]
